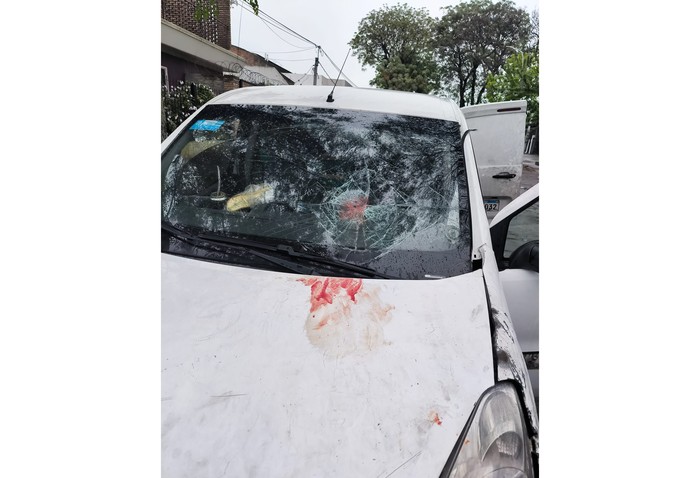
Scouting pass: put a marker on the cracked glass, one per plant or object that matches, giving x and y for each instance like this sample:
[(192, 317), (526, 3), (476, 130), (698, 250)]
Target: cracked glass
[(380, 190)]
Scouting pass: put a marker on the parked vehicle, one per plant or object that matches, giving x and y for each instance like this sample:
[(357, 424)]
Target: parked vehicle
[(498, 138), (331, 300), (516, 244)]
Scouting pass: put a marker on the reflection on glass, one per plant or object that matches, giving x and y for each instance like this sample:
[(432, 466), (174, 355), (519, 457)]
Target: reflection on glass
[(379, 189), (524, 227)]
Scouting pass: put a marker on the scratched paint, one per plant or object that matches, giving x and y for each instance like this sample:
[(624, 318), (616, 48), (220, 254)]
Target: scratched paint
[(510, 363), (345, 316)]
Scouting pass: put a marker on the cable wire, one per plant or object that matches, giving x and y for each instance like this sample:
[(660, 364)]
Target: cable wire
[(284, 59), (336, 67), (280, 26), (266, 23), (281, 52), (324, 70), (287, 28), (305, 75)]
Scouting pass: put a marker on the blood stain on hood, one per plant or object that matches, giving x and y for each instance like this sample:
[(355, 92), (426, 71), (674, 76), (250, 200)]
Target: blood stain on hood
[(435, 418), (345, 316)]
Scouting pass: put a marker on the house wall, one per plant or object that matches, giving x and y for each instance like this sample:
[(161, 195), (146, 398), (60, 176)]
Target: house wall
[(189, 72), (232, 83), (253, 59), (216, 29)]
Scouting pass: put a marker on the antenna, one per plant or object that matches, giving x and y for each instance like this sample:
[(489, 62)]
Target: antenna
[(330, 96)]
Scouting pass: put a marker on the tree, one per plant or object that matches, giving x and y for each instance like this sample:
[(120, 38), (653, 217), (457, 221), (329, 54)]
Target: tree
[(535, 35), (518, 80), (418, 76), (474, 39), (396, 42)]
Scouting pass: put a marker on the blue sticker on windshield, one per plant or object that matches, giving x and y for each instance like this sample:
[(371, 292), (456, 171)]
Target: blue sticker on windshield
[(207, 125)]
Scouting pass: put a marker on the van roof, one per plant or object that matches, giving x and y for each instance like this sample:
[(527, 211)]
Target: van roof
[(363, 99)]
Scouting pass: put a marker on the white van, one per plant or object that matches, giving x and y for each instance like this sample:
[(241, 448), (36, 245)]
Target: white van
[(330, 297), (497, 131)]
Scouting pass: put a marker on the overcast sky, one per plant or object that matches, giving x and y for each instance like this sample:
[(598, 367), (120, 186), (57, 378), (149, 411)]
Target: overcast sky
[(330, 24)]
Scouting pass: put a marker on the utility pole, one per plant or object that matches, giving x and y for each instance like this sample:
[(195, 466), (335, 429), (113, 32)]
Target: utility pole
[(318, 49)]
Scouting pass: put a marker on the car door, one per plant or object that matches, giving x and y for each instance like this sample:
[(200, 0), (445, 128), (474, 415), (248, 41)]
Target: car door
[(498, 137), (515, 239)]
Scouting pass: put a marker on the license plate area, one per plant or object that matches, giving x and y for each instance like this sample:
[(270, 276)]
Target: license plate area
[(491, 205)]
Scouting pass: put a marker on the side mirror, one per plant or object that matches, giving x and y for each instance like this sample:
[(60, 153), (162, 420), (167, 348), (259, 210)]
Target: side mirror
[(526, 256)]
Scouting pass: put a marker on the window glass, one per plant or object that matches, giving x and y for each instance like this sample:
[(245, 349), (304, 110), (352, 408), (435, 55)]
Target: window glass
[(382, 190), (523, 228)]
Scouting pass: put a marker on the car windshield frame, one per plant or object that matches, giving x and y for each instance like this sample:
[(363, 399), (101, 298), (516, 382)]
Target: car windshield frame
[(379, 190)]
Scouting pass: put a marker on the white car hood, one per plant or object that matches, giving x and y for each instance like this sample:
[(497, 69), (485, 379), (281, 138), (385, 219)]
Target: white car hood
[(277, 375)]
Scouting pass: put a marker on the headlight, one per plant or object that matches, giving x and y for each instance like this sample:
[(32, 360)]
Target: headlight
[(495, 443)]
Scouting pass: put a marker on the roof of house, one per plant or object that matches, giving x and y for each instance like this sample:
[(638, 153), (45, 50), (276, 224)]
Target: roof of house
[(270, 73), (178, 39), (308, 79)]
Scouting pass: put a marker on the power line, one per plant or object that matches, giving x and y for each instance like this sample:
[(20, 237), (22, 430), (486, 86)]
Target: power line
[(275, 33), (336, 67), (280, 26), (284, 59), (305, 74), (282, 52), (277, 24), (287, 28), (327, 74), (240, 20)]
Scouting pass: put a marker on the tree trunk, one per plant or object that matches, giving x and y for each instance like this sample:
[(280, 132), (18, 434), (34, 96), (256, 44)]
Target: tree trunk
[(481, 93), (463, 82), (472, 87)]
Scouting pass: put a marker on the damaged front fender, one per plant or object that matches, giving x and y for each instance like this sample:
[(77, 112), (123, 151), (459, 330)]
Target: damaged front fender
[(509, 363)]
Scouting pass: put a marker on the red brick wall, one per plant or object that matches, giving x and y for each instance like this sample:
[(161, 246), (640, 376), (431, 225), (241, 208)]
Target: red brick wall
[(249, 57), (216, 28)]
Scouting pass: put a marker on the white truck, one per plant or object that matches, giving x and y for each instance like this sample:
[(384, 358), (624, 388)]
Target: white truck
[(497, 131)]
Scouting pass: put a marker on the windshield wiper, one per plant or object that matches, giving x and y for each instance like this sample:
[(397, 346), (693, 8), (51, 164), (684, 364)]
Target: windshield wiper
[(290, 251), (199, 240), (253, 247)]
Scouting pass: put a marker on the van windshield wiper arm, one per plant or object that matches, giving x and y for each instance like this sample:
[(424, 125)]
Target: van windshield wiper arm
[(290, 251), (197, 239), (253, 247)]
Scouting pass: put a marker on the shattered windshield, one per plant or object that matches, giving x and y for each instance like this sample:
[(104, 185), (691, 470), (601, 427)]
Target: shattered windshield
[(380, 190)]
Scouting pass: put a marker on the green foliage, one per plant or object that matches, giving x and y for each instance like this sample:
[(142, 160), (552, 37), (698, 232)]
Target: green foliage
[(417, 77), (474, 39), (518, 80), (254, 5), (178, 103), (204, 9), (396, 42)]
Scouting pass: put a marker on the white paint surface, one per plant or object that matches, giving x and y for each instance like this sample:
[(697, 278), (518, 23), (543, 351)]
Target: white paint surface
[(363, 99), (522, 292), (246, 392)]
